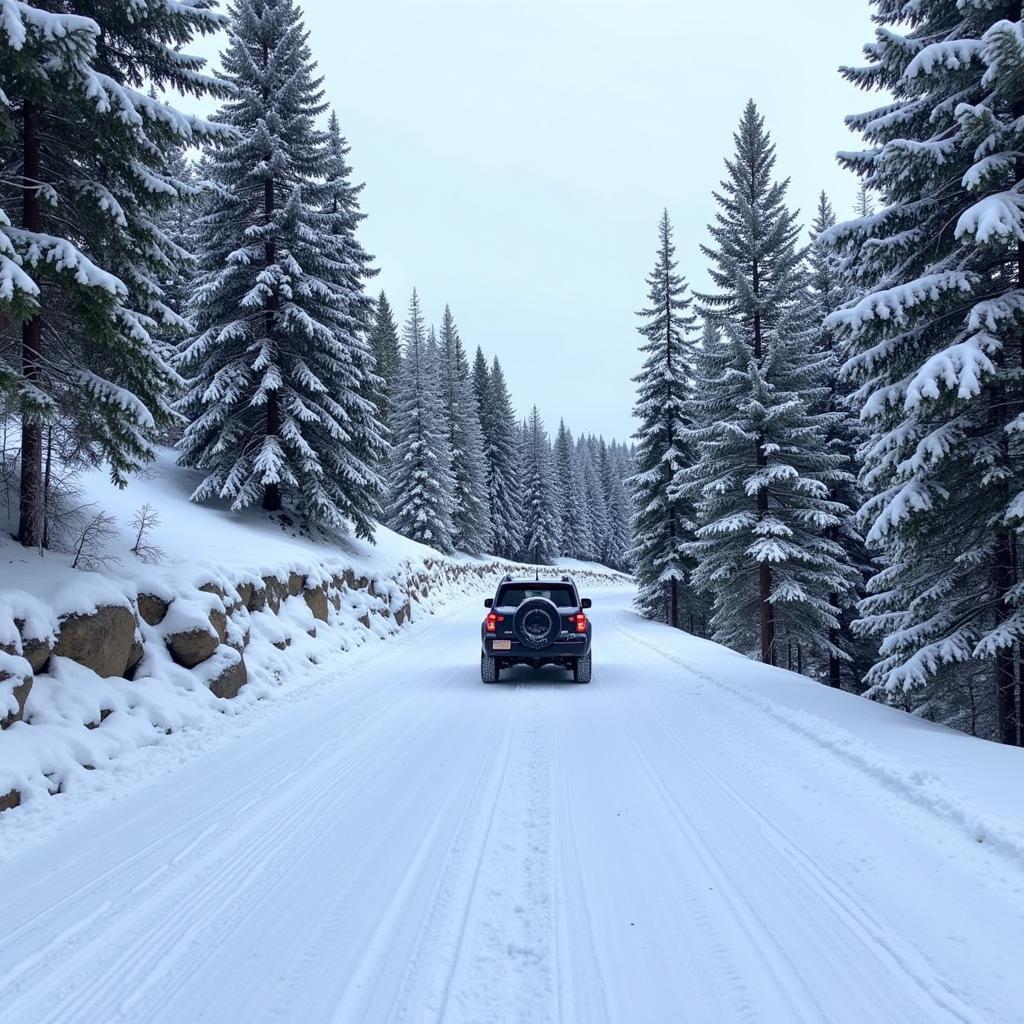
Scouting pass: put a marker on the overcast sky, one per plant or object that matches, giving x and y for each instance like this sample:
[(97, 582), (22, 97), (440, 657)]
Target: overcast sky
[(518, 153)]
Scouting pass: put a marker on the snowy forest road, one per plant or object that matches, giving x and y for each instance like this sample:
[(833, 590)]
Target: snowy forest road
[(416, 846)]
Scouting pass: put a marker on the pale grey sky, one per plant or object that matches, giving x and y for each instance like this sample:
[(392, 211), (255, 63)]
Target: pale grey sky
[(518, 153)]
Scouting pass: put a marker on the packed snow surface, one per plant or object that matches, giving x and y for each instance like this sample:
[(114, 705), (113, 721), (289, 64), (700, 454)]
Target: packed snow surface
[(691, 837)]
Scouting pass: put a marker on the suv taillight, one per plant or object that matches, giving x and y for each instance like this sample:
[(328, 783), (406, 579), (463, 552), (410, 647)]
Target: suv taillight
[(492, 621), (580, 622)]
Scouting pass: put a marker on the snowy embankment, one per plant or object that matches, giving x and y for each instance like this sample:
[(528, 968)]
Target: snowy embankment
[(232, 609)]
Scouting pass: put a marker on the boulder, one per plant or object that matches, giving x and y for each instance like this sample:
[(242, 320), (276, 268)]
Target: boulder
[(360, 583), (219, 621), (275, 591), (101, 640), (316, 599), (296, 584), (282, 645), (245, 594), (9, 800), (230, 680), (36, 651), (365, 619), (191, 647), (153, 609), (401, 615), (20, 686), (213, 588), (258, 599), (135, 654)]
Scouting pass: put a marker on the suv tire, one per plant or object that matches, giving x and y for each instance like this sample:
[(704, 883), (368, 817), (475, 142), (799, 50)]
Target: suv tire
[(537, 623), (488, 668), (581, 669)]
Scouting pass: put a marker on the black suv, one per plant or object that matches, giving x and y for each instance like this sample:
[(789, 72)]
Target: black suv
[(535, 622)]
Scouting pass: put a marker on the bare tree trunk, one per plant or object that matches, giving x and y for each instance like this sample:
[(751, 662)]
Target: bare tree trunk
[(764, 570), (1005, 674), (46, 486), (764, 580), (30, 526)]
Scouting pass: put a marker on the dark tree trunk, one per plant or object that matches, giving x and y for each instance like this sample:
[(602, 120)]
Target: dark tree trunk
[(30, 526), (1005, 674), (47, 478), (834, 669), (764, 578), (764, 570)]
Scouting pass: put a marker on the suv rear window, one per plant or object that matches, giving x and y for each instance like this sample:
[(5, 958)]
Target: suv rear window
[(561, 595)]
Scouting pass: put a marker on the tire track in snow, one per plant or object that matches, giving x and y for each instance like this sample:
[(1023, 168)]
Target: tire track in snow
[(170, 917), (872, 937), (502, 969), (441, 928)]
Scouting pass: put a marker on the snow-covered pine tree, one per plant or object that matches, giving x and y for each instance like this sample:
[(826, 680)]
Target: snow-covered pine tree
[(471, 515), (176, 224), (573, 522), (864, 205), (386, 353), (934, 346), (481, 379), (540, 525), (501, 434), (843, 437), (594, 500), (420, 485), (617, 539), (341, 203), (85, 176), (279, 368), (761, 479), (664, 521)]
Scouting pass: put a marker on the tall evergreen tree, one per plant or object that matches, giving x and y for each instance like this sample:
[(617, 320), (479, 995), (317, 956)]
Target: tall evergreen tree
[(502, 452), (617, 539), (762, 479), (843, 438), (540, 533), (280, 370), (421, 487), (935, 347), (481, 379), (664, 521), (386, 353), (573, 523), (470, 511), (594, 500), (341, 203), (85, 178)]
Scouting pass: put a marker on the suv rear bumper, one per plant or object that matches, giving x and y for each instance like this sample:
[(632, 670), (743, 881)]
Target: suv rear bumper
[(566, 646)]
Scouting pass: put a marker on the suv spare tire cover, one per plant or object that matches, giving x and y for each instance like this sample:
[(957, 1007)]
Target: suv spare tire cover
[(537, 623)]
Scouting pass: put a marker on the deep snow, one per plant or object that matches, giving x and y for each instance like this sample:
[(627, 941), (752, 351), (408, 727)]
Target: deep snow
[(690, 837)]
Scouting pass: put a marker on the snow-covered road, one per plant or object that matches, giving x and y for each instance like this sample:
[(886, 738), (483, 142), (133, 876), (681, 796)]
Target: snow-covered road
[(663, 844)]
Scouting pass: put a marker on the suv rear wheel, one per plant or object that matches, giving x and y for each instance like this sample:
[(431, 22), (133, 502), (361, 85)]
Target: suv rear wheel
[(581, 669), (488, 668)]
